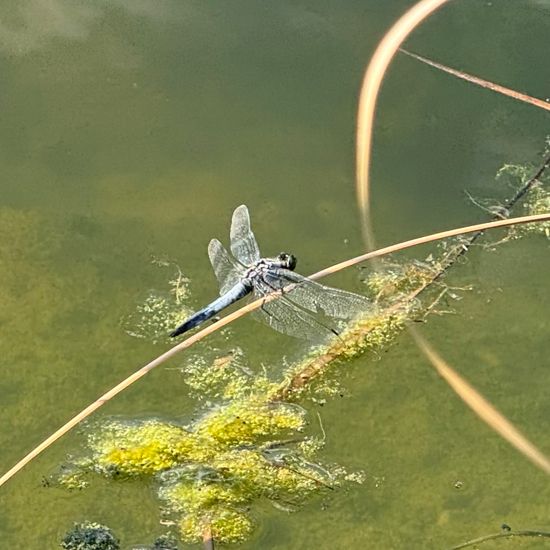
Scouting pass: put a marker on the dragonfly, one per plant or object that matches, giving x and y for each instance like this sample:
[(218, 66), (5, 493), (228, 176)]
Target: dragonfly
[(304, 308)]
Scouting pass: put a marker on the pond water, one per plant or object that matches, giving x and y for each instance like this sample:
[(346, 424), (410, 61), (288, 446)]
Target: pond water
[(131, 129)]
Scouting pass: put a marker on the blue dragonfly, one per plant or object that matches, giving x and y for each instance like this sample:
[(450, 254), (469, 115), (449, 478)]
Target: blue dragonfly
[(304, 309)]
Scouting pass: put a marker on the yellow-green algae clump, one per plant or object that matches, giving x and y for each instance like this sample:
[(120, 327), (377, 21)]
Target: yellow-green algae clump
[(135, 449), (160, 312), (209, 473), (538, 202), (246, 422)]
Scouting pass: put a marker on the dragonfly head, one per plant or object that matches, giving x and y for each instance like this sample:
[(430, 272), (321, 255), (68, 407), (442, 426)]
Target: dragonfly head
[(288, 261)]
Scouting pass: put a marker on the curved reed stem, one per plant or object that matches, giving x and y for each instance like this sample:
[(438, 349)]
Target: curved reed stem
[(428, 239), (369, 94), (493, 418)]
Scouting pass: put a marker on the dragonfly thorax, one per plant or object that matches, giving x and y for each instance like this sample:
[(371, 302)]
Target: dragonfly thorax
[(260, 267)]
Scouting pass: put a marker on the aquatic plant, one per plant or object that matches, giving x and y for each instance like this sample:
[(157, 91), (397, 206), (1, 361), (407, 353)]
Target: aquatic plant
[(90, 536), (537, 201), (165, 542), (158, 312)]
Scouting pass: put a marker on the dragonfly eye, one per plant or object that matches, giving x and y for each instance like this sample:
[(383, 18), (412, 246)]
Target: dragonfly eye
[(289, 260)]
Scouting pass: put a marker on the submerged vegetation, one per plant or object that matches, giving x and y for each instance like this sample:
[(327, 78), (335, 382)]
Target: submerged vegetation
[(159, 312), (90, 536), (535, 201), (252, 441), (208, 473)]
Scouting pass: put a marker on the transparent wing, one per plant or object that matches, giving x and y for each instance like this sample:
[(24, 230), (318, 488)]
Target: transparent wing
[(227, 270), (284, 316), (316, 297), (243, 243)]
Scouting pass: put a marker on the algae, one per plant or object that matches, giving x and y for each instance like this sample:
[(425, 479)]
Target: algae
[(251, 442)]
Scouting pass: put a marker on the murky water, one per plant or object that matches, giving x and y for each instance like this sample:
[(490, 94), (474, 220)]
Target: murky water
[(129, 132)]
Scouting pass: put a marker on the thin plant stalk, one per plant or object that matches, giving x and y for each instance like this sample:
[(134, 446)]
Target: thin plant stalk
[(503, 535), (541, 104), (207, 538)]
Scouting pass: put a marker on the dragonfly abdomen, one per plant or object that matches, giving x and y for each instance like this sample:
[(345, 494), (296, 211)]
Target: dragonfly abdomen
[(240, 290)]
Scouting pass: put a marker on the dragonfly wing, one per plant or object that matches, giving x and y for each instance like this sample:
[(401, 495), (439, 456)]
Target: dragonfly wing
[(286, 317), (243, 243), (227, 270), (316, 297)]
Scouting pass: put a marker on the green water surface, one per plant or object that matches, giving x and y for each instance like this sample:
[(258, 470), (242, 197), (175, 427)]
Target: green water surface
[(130, 130)]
